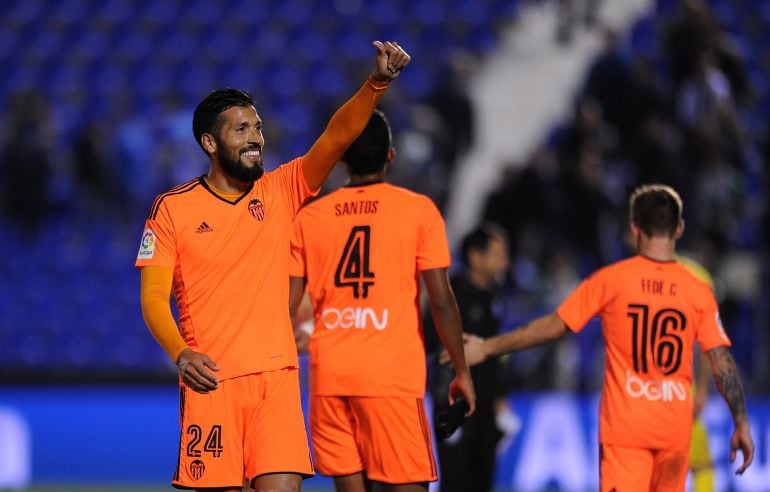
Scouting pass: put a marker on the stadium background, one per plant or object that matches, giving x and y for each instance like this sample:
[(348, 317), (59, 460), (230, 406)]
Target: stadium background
[(96, 102)]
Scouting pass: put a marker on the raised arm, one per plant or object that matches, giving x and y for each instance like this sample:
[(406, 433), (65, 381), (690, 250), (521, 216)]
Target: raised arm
[(351, 118), (728, 384), (446, 317)]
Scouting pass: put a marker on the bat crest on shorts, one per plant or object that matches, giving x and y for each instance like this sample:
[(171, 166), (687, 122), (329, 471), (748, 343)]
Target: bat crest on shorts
[(197, 469)]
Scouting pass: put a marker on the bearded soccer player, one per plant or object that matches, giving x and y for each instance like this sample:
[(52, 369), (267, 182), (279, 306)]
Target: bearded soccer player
[(653, 310), (221, 242), (363, 250)]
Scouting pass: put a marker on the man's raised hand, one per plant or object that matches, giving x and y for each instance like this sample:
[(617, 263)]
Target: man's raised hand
[(391, 59)]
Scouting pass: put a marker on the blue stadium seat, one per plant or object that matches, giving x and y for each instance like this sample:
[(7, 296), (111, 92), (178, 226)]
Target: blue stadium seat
[(25, 12), (124, 58)]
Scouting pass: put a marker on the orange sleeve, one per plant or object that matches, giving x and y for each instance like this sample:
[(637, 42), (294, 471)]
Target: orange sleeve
[(154, 298), (710, 332), (585, 302), (433, 247), (344, 127), (297, 258)]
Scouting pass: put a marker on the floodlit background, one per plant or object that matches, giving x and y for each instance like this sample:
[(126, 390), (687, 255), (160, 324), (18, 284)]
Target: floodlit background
[(539, 115)]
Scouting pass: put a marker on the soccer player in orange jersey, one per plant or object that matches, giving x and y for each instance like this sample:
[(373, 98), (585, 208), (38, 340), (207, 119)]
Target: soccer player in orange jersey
[(653, 310), (221, 242), (362, 250)]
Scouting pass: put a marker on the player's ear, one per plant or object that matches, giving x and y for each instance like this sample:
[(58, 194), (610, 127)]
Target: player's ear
[(391, 155), (209, 143), (633, 234), (679, 229), (633, 229)]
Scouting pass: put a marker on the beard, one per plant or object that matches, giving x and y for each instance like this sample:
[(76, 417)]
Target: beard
[(240, 171)]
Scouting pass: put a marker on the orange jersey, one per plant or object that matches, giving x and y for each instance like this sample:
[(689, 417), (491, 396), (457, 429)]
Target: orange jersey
[(362, 249), (231, 267), (652, 313)]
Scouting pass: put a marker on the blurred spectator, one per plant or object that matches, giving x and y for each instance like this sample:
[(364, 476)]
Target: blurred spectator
[(610, 81), (704, 96), (693, 31), (421, 161), (26, 160), (135, 145), (656, 153), (690, 32), (718, 201), (573, 13), (581, 225), (588, 130), (706, 109), (467, 458), (100, 187), (541, 195), (526, 199), (455, 107), (765, 221), (178, 157)]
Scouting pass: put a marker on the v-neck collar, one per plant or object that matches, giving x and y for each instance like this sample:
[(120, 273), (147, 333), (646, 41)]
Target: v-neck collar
[(205, 184)]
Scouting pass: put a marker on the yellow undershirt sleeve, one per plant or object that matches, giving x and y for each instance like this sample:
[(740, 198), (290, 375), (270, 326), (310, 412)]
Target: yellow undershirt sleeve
[(154, 297), (344, 127)]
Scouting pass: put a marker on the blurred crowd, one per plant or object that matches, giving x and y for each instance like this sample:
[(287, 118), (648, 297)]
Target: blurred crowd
[(673, 101), (674, 105)]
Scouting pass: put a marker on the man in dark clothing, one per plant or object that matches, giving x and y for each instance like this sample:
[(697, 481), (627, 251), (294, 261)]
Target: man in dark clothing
[(467, 458)]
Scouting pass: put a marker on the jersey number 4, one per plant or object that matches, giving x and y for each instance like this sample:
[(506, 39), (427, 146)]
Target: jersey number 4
[(353, 269), (659, 334)]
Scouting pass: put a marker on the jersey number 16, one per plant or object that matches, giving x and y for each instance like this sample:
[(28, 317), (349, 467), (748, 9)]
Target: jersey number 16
[(658, 334)]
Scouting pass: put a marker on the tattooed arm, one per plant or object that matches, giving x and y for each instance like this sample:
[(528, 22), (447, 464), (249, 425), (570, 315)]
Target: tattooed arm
[(728, 383)]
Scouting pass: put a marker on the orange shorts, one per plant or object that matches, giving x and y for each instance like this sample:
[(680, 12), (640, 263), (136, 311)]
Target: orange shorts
[(386, 437), (630, 469), (251, 425)]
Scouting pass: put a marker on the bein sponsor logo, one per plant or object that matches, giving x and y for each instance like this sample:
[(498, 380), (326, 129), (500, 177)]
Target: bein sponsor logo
[(665, 390), (358, 318)]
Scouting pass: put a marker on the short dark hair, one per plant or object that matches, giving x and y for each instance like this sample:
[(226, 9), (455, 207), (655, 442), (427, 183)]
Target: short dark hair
[(656, 209), (369, 152), (479, 238), (206, 116)]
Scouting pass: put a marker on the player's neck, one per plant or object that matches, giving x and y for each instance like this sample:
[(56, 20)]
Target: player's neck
[(366, 179), (225, 184), (658, 248)]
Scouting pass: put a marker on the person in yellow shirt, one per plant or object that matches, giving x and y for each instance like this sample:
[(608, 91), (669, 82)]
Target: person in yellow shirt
[(701, 463)]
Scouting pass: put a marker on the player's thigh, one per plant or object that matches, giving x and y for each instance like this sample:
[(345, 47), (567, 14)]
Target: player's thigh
[(405, 487), (211, 450), (277, 482), (624, 469), (332, 431), (275, 440), (670, 471), (356, 482), (394, 439)]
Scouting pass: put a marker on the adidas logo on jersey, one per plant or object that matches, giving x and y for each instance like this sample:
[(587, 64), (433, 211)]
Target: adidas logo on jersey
[(204, 227)]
